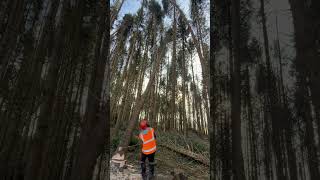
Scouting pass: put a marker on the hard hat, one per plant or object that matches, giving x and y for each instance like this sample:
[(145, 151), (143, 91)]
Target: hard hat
[(143, 124)]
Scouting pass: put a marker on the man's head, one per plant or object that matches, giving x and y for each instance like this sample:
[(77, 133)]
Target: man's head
[(143, 124)]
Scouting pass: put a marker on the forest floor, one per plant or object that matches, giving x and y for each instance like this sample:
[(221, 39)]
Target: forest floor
[(169, 162)]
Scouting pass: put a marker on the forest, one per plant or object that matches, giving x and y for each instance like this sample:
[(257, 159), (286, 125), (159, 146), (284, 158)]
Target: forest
[(264, 106), (54, 88), (159, 71), (232, 87)]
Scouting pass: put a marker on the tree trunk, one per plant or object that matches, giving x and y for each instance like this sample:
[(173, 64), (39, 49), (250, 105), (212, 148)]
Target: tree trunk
[(174, 76), (39, 145), (237, 159), (184, 76), (122, 148), (95, 131), (273, 103), (307, 63), (115, 11), (13, 29)]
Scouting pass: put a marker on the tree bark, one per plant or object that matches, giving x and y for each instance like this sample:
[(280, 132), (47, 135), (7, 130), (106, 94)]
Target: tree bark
[(307, 63), (237, 159), (39, 145), (122, 148), (95, 131)]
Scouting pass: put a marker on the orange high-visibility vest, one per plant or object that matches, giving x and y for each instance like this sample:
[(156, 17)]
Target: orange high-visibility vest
[(149, 142)]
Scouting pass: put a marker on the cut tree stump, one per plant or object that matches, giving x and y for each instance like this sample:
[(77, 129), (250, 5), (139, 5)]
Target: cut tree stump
[(195, 156), (118, 160)]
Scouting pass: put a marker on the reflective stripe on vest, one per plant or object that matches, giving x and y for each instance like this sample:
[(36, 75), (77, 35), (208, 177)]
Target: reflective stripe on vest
[(149, 143), (149, 150)]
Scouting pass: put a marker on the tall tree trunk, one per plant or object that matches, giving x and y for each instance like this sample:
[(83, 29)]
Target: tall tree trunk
[(122, 148), (39, 145), (252, 135), (115, 11), (266, 142), (212, 101), (184, 76), (13, 29), (174, 76), (95, 133), (273, 104), (289, 131), (237, 159), (307, 63)]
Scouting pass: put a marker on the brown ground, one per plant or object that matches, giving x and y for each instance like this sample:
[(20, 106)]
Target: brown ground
[(168, 162)]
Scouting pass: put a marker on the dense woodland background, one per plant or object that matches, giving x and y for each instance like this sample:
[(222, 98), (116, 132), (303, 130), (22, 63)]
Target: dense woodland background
[(159, 71), (64, 82), (54, 94), (265, 90), (153, 54)]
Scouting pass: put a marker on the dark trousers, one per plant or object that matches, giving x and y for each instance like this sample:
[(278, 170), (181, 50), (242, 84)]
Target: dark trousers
[(151, 163)]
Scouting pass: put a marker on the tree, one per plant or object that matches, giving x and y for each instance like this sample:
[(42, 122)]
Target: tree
[(237, 159), (95, 125), (305, 63)]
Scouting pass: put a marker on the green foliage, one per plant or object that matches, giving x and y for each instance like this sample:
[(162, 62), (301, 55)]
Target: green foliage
[(196, 8), (115, 140), (190, 46), (156, 10), (133, 141), (192, 142), (165, 5), (169, 34), (182, 28), (126, 25), (199, 147)]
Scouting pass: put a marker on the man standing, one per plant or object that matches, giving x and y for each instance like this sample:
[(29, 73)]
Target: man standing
[(149, 148)]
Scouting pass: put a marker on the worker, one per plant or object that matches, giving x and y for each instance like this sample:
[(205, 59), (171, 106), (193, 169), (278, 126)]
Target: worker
[(148, 138)]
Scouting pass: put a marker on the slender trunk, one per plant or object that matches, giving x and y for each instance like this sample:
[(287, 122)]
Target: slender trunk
[(307, 67), (273, 103), (237, 159), (266, 142), (115, 11), (184, 69), (212, 101), (39, 146), (174, 78), (289, 131), (140, 101), (95, 129), (252, 134), (13, 29)]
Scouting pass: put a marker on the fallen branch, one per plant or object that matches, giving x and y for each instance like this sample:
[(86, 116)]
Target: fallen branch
[(197, 157)]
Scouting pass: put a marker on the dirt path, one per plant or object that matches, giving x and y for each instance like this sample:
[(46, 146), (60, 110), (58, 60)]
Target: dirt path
[(132, 172)]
